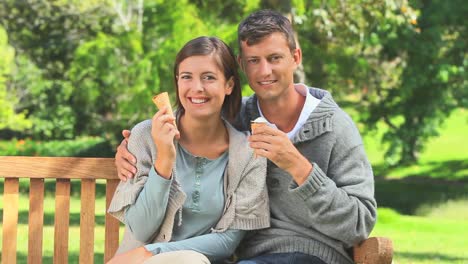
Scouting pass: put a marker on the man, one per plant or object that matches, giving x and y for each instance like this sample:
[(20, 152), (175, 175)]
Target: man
[(320, 182)]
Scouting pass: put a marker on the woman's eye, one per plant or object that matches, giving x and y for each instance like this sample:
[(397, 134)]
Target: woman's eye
[(209, 77)]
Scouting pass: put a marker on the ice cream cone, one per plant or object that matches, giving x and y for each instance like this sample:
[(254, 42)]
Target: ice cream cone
[(259, 122), (162, 100), (255, 125)]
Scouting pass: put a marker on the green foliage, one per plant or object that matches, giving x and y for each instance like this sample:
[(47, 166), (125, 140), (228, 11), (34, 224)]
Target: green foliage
[(430, 49), (110, 75), (80, 147), (398, 62), (9, 118), (90, 67), (45, 35)]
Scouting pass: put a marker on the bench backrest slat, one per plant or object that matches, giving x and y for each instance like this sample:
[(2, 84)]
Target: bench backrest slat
[(88, 196), (62, 169), (112, 225), (36, 220), (10, 220), (62, 220)]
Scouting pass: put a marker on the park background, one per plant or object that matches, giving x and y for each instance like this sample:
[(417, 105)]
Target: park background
[(74, 73)]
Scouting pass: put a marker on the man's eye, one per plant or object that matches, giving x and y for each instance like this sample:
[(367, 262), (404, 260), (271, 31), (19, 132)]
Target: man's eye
[(275, 58), (252, 61)]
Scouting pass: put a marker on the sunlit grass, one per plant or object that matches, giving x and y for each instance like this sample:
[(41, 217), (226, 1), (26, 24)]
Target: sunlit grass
[(48, 232), (444, 157), (424, 240)]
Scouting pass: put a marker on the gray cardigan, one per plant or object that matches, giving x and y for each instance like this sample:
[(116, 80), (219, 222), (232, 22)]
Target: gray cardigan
[(246, 198), (335, 208)]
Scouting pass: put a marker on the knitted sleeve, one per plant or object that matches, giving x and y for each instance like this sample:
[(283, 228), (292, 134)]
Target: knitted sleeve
[(142, 147), (341, 200), (247, 203)]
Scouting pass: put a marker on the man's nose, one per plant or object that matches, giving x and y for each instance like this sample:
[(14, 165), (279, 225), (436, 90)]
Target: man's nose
[(265, 67)]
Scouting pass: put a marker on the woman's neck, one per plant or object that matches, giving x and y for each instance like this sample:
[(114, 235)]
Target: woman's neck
[(205, 138)]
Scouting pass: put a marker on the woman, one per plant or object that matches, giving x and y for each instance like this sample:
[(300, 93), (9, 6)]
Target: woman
[(202, 191)]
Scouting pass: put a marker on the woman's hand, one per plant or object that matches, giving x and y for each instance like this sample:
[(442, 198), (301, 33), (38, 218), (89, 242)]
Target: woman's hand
[(163, 131), (135, 256)]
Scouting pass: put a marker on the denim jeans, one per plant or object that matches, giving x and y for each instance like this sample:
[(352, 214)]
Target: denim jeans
[(283, 258)]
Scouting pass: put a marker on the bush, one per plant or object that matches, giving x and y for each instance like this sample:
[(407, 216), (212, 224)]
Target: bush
[(80, 147)]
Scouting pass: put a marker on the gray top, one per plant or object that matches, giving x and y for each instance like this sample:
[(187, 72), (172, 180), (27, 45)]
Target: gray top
[(245, 195), (203, 180), (335, 208)]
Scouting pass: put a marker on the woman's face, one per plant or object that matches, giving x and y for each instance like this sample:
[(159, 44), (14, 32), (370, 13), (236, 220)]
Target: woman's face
[(202, 86)]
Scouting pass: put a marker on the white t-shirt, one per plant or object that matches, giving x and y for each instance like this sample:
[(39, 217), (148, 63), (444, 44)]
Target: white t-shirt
[(309, 105)]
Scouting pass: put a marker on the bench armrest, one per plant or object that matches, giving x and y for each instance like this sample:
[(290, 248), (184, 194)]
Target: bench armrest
[(374, 250)]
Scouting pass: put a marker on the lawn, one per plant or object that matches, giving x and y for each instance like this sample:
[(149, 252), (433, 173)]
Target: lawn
[(49, 206), (423, 208)]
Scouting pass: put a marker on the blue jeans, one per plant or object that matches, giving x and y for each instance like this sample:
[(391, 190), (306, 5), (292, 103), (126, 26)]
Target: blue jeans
[(283, 258)]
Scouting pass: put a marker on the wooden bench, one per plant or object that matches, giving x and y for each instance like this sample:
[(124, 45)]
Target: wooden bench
[(87, 170)]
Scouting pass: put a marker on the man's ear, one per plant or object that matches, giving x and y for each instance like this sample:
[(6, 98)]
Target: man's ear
[(241, 64), (297, 55)]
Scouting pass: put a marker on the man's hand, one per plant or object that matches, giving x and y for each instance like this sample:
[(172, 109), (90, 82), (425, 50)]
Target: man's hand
[(275, 145), (124, 160), (138, 255)]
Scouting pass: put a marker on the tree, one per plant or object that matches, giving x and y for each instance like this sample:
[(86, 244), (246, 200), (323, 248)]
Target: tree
[(45, 35), (432, 50), (398, 62), (9, 117)]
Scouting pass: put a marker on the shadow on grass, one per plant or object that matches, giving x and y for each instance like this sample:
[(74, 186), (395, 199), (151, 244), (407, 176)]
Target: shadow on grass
[(407, 194), (49, 187), (73, 257), (436, 170), (23, 217), (426, 256)]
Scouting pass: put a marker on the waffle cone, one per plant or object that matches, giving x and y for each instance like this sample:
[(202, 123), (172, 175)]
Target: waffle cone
[(255, 125), (162, 100)]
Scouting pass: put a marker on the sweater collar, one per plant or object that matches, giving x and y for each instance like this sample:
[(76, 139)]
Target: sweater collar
[(318, 122)]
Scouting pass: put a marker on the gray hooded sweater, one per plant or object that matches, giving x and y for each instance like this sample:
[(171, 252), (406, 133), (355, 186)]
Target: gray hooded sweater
[(335, 208)]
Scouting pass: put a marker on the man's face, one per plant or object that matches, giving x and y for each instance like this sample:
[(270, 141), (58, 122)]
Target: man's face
[(269, 66)]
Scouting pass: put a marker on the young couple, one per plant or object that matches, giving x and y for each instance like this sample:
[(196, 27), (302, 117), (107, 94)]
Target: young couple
[(192, 190)]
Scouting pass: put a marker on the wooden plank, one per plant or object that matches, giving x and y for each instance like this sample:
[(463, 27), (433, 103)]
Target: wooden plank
[(36, 221), (57, 167), (112, 224), (88, 193), (62, 220), (10, 220)]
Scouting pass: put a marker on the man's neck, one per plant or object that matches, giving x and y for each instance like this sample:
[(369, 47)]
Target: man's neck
[(285, 112)]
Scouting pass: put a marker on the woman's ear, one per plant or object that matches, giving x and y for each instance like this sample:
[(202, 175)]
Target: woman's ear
[(229, 86)]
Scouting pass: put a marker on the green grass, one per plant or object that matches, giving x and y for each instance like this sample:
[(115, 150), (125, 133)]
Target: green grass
[(48, 233), (445, 157), (434, 239), (428, 219)]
